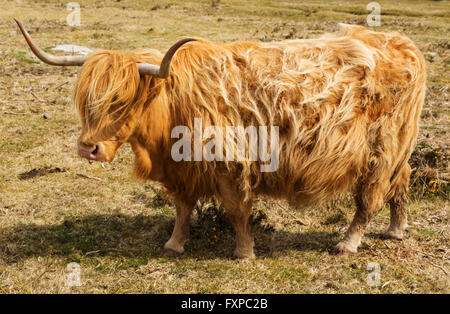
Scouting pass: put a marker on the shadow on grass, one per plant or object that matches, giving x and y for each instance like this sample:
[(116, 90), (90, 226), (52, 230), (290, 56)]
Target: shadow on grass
[(143, 237)]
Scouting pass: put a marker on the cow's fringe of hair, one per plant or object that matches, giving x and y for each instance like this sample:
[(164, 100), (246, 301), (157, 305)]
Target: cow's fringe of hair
[(115, 91), (347, 107)]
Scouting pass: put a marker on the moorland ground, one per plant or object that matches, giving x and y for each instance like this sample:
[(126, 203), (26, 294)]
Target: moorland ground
[(56, 208)]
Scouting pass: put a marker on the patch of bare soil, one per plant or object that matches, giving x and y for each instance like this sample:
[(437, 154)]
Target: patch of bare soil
[(39, 172)]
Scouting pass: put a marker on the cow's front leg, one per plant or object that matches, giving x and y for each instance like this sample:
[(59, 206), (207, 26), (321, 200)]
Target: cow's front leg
[(180, 234)]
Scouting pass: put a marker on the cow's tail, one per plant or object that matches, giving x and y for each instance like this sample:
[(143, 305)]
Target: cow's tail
[(414, 98)]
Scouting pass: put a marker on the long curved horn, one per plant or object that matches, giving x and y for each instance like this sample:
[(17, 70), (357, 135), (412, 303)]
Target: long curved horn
[(46, 57), (163, 70)]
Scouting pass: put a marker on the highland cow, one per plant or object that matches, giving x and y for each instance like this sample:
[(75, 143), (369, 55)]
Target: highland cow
[(346, 107)]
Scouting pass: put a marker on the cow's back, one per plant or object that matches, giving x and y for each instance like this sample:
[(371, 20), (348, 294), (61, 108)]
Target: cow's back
[(343, 105)]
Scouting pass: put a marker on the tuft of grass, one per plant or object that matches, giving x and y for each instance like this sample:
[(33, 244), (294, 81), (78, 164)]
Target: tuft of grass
[(430, 176), (21, 56)]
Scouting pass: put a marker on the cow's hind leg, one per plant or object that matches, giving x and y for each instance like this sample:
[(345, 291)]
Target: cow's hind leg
[(239, 216), (180, 234), (239, 212), (398, 206), (369, 200)]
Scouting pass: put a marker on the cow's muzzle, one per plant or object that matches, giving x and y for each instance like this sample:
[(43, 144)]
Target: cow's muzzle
[(88, 151)]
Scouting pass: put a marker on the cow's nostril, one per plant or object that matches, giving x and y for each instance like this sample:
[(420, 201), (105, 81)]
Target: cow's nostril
[(95, 151)]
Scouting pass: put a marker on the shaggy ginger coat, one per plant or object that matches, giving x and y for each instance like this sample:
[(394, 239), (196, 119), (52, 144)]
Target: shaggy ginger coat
[(347, 107)]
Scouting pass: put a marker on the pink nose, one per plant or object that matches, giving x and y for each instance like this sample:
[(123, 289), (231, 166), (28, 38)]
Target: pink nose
[(87, 151)]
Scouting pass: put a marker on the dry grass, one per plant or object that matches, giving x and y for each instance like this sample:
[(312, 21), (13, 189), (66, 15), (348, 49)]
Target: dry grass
[(56, 208)]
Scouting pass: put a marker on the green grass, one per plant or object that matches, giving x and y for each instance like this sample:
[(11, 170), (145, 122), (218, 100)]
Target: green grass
[(21, 56)]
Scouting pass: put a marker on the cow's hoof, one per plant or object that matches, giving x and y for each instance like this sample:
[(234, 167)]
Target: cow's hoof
[(342, 249), (169, 253), (392, 235)]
